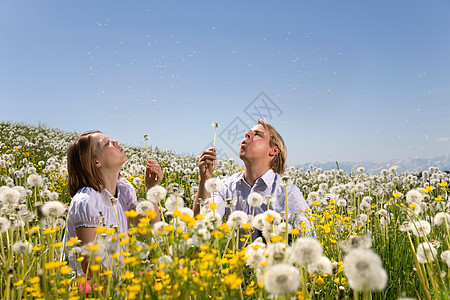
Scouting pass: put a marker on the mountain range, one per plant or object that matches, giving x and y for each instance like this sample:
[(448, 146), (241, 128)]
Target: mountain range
[(410, 164)]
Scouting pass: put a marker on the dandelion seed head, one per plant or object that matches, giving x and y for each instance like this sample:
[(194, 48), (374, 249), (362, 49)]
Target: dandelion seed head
[(213, 185), (174, 203), (22, 247), (406, 226), (425, 252), (53, 209), (9, 197), (35, 180), (255, 199), (306, 250), (144, 206), (364, 270), (321, 266), (281, 279), (237, 218), (445, 256), (4, 224), (421, 228), (439, 219), (356, 242), (156, 194), (414, 196), (258, 221)]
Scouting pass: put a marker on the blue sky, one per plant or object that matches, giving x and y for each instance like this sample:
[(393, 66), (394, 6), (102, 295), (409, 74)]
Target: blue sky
[(345, 80)]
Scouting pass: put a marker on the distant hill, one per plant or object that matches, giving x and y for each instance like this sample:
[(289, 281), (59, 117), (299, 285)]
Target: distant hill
[(409, 164)]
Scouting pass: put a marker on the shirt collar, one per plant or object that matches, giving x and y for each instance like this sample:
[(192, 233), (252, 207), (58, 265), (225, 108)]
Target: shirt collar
[(106, 195), (267, 178)]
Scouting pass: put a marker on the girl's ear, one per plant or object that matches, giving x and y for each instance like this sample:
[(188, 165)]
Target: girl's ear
[(274, 151), (98, 164)]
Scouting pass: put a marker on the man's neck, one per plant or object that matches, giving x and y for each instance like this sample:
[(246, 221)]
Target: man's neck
[(253, 172)]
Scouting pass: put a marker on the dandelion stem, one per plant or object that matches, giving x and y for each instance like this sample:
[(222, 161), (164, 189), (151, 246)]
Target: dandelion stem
[(286, 199)]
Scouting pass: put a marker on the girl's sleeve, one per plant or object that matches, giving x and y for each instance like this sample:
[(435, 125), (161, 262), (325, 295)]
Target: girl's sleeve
[(83, 212)]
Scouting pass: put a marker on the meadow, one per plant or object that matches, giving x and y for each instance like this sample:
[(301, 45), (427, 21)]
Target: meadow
[(376, 236)]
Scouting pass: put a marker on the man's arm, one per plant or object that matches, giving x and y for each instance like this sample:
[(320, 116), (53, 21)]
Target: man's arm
[(206, 168)]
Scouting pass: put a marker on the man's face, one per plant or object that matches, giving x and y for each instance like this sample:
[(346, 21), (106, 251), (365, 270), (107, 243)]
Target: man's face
[(256, 144)]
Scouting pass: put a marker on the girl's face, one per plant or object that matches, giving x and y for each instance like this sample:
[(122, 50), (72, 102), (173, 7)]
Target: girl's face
[(109, 154)]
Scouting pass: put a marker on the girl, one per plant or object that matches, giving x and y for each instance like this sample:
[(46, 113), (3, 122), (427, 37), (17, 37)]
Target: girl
[(99, 195)]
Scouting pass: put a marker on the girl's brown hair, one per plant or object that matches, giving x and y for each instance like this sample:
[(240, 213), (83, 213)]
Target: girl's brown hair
[(81, 167)]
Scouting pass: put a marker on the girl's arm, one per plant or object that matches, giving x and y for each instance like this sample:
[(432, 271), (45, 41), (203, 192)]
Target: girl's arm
[(86, 235)]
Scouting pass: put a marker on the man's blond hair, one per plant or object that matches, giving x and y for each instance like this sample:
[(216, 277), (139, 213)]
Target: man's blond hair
[(278, 163)]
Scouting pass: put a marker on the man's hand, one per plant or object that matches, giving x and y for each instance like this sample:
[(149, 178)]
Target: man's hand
[(153, 175), (206, 163)]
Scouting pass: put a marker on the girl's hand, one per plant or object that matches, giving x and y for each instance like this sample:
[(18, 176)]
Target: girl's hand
[(153, 175)]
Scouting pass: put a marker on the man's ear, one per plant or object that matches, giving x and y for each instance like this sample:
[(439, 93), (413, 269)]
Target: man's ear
[(274, 151)]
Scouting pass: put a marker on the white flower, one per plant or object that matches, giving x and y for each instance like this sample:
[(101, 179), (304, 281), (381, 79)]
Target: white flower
[(313, 197), (22, 247), (414, 196), (35, 180), (174, 203), (230, 202), (306, 250), (213, 185), (281, 279), (237, 218), (258, 221), (53, 196), (156, 194), (268, 200), (9, 196), (364, 270), (321, 266), (187, 211), (271, 213), (425, 252), (255, 253), (341, 202), (406, 226), (144, 206), (445, 255), (137, 181), (255, 199), (212, 219), (365, 206), (282, 228), (53, 209), (165, 259), (215, 124), (439, 219), (356, 242), (421, 228), (59, 223), (4, 224)]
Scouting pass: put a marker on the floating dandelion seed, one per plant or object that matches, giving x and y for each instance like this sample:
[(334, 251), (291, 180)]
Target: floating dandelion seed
[(215, 125)]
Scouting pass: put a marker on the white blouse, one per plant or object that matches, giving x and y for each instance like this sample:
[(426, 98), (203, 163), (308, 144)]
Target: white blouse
[(85, 209)]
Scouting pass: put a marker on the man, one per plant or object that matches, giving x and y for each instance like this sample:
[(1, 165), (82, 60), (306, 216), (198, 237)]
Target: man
[(264, 155)]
